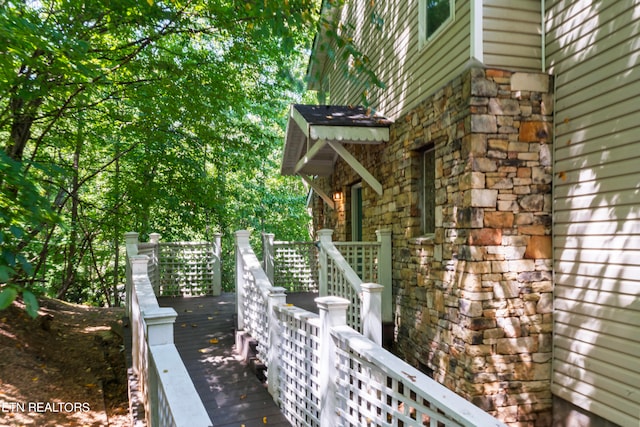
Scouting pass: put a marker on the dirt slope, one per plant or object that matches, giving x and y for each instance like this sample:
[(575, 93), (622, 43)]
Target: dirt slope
[(65, 368)]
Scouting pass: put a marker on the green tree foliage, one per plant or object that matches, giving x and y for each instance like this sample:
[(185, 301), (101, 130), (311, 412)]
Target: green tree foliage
[(148, 116)]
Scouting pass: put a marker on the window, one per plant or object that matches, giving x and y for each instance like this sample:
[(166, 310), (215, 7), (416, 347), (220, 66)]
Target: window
[(428, 193), (434, 15), (356, 213)]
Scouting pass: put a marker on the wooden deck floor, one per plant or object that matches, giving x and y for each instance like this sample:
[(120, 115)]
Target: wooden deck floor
[(204, 334)]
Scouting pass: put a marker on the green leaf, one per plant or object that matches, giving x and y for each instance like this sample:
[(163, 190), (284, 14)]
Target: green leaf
[(16, 231), (5, 273), (26, 265), (31, 303), (7, 296)]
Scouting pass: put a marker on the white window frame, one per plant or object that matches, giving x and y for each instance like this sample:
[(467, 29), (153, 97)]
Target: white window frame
[(422, 25)]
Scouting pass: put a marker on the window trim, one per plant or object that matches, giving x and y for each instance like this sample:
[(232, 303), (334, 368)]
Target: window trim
[(422, 23)]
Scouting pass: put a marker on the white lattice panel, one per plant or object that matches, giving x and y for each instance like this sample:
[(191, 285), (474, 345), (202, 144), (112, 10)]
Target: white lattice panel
[(186, 269), (296, 266), (362, 257), (255, 310), (298, 371), (376, 388), (339, 286)]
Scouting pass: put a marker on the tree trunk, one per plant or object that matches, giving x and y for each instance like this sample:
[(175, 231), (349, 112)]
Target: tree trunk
[(70, 270)]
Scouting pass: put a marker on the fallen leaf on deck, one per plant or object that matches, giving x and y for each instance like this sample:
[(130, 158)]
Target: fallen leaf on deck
[(213, 341), (264, 420), (243, 396)]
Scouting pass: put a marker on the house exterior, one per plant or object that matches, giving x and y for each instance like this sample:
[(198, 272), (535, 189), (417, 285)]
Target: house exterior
[(509, 178)]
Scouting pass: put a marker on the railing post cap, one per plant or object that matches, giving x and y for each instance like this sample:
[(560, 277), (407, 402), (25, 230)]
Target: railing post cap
[(154, 237), (325, 234), (384, 232), (277, 290), (131, 237), (332, 303), (372, 287), (160, 315), (242, 237)]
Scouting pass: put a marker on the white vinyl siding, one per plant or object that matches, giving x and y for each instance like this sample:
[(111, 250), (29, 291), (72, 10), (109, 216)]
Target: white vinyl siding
[(513, 34), (593, 50), (410, 73), (412, 70)]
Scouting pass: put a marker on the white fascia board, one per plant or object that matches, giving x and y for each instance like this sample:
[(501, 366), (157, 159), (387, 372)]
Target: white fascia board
[(300, 121), (352, 134)]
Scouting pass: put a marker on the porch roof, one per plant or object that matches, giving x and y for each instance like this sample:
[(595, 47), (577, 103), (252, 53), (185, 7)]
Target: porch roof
[(315, 134)]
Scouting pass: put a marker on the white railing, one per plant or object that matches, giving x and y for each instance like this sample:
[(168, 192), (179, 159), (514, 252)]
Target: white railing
[(252, 297), (168, 394), (375, 388), (183, 268), (298, 389), (339, 278), (324, 373), (331, 268)]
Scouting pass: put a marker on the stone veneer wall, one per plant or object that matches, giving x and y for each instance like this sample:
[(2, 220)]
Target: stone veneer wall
[(473, 303)]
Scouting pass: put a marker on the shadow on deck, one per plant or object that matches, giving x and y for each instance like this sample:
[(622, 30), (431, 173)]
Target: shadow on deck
[(204, 334)]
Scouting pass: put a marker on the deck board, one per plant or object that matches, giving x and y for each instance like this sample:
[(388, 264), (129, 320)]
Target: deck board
[(229, 389)]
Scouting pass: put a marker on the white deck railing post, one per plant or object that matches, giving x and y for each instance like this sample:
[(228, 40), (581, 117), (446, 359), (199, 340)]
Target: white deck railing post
[(159, 323), (131, 245), (371, 313), (131, 241), (324, 235), (384, 273), (333, 312), (268, 255), (217, 268), (138, 267), (242, 241), (277, 298), (154, 260)]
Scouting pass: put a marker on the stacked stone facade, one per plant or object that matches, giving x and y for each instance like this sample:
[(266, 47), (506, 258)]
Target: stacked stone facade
[(473, 301)]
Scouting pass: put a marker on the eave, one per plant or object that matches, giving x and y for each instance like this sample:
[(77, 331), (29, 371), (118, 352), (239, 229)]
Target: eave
[(316, 135)]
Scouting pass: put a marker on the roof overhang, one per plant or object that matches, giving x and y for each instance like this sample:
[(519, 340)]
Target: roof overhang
[(316, 133)]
